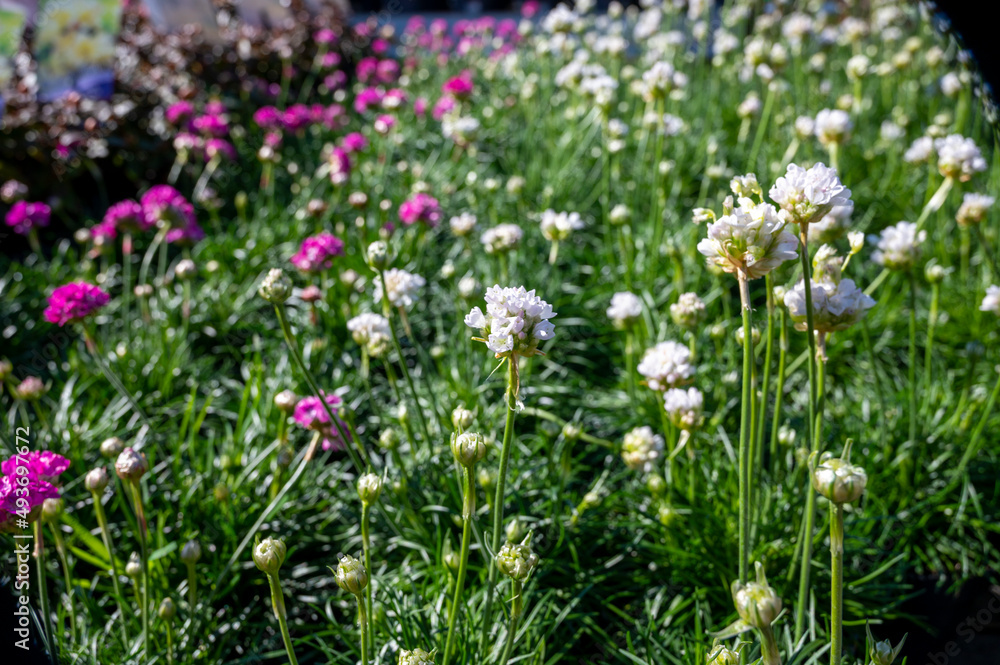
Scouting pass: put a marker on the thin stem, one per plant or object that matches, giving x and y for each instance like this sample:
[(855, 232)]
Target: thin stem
[(912, 369), (768, 357), (43, 593), (144, 555), (468, 511), (192, 586), (932, 318), (67, 578), (515, 617), (278, 603), (366, 545), (363, 620), (836, 582), (779, 389), (170, 644), (102, 521), (746, 433), (987, 252), (508, 436)]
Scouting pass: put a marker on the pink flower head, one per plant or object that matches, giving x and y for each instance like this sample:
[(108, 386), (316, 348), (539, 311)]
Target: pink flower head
[(394, 99), (354, 142), (530, 8), (368, 98), (74, 302), (384, 124), (215, 107), (267, 117), (387, 71), (420, 208), (211, 125), (439, 26), (19, 497), (443, 107), (25, 215), (296, 117), (310, 414), (415, 26), (42, 464), (186, 236), (330, 60), (163, 205), (340, 166), (420, 106), (325, 36), (366, 69), (103, 232), (459, 86), (380, 46), (335, 80), (221, 148), (179, 113), (127, 216), (317, 252)]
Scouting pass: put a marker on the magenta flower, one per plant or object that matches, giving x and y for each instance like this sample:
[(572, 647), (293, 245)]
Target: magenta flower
[(179, 113), (387, 71), (268, 117), (310, 414), (420, 106), (296, 117), (44, 465), (220, 147), (24, 216), (354, 142), (459, 86), (186, 236), (335, 80), (19, 497), (340, 166), (317, 252), (368, 98), (165, 206), (420, 208), (443, 107), (126, 216), (330, 60), (211, 125), (74, 302), (215, 107), (325, 36), (102, 233), (366, 69)]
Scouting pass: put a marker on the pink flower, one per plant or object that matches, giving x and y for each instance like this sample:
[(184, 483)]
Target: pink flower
[(24, 216), (220, 147), (384, 124), (420, 208), (387, 71), (211, 125), (459, 86), (354, 142), (103, 232), (325, 36), (336, 80), (22, 497), (296, 117), (330, 60), (368, 98), (530, 8), (164, 205), (179, 113), (443, 107), (310, 414), (74, 302), (127, 216), (380, 46), (340, 166), (366, 69), (317, 252), (267, 117), (420, 106), (45, 465)]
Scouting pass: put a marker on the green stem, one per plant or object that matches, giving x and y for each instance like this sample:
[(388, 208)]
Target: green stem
[(43, 593), (102, 521), (363, 621), (932, 317), (144, 555), (987, 252), (468, 512), (746, 433), (779, 389), (508, 436), (769, 647), (912, 368), (170, 644), (515, 617), (192, 586), (67, 578), (766, 383), (366, 545), (836, 582), (278, 603), (973, 446)]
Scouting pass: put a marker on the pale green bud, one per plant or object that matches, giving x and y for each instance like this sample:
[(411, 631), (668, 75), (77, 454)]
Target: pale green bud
[(51, 509), (756, 602), (378, 255), (415, 657), (96, 480), (112, 447), (514, 530), (468, 448), (369, 488), (516, 561), (389, 439), (351, 575), (167, 609), (131, 465), (269, 554), (462, 418), (191, 552), (276, 287), (721, 655), (286, 401), (883, 653), (134, 567), (571, 431), (656, 484), (839, 480)]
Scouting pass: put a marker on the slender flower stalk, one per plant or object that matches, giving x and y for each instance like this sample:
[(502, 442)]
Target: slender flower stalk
[(766, 383), (96, 481), (43, 593), (369, 490), (190, 554), (516, 561), (352, 576), (268, 555), (912, 361), (51, 510), (779, 388), (746, 433), (167, 611), (131, 466)]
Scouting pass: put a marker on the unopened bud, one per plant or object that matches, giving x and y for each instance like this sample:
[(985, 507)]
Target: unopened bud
[(514, 530), (516, 561), (131, 465), (269, 554), (167, 610), (51, 509), (276, 287), (415, 657), (134, 567), (468, 448), (839, 480), (96, 480), (369, 488), (112, 447), (389, 439), (462, 418), (191, 552), (351, 575), (185, 270), (378, 255), (756, 602), (286, 401)]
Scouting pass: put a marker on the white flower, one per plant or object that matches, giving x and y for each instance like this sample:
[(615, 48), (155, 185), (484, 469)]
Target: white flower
[(463, 224), (688, 311), (991, 301), (625, 308), (515, 321), (666, 365), (751, 239), (899, 246), (835, 306), (857, 66), (460, 129), (806, 196), (974, 208), (660, 79), (804, 127), (502, 238), (890, 132), (833, 126), (684, 407), (559, 225), (560, 19), (467, 287), (857, 240), (750, 106), (951, 85), (919, 151), (370, 330), (400, 287), (958, 157), (796, 26), (641, 448)]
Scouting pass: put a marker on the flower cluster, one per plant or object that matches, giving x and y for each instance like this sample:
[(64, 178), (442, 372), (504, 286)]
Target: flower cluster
[(684, 407), (317, 252), (806, 196), (167, 208), (625, 309), (688, 311), (899, 246), (958, 157), (73, 302), (401, 287), (836, 305), (370, 331), (310, 414), (27, 481), (641, 447), (420, 208), (515, 322), (24, 216), (751, 239), (666, 365), (559, 225), (501, 238)]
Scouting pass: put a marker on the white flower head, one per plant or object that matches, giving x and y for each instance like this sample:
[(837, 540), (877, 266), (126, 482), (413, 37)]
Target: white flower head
[(750, 239), (463, 224), (559, 225), (974, 208), (835, 306), (958, 157), (625, 309), (951, 84), (806, 196), (514, 323), (641, 448), (899, 246), (401, 287), (502, 238), (920, 151), (991, 301), (666, 365), (833, 126), (684, 407), (857, 240), (688, 311), (805, 127), (371, 331)]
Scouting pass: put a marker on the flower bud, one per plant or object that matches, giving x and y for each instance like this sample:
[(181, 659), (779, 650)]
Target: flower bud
[(311, 294), (286, 401), (935, 272), (883, 653), (786, 435), (857, 240), (378, 255), (351, 575), (191, 552), (276, 287), (721, 655), (167, 610), (437, 352), (112, 447), (754, 335), (51, 509), (185, 269), (221, 492), (6, 367), (389, 439), (269, 554), (134, 567), (415, 657), (487, 479), (461, 418), (656, 484), (667, 514), (131, 465), (369, 488), (31, 389), (717, 331), (96, 480), (358, 200), (468, 448), (839, 480), (514, 530), (516, 561), (756, 602), (571, 431)]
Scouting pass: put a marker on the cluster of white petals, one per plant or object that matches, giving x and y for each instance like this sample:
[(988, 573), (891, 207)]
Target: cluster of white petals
[(559, 225), (660, 79), (641, 448), (666, 365), (462, 225), (515, 321), (899, 246), (401, 287), (501, 238), (991, 301), (370, 331), (833, 126), (974, 208), (920, 151), (752, 239), (958, 157), (836, 305), (807, 195), (688, 311), (625, 308), (684, 407)]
